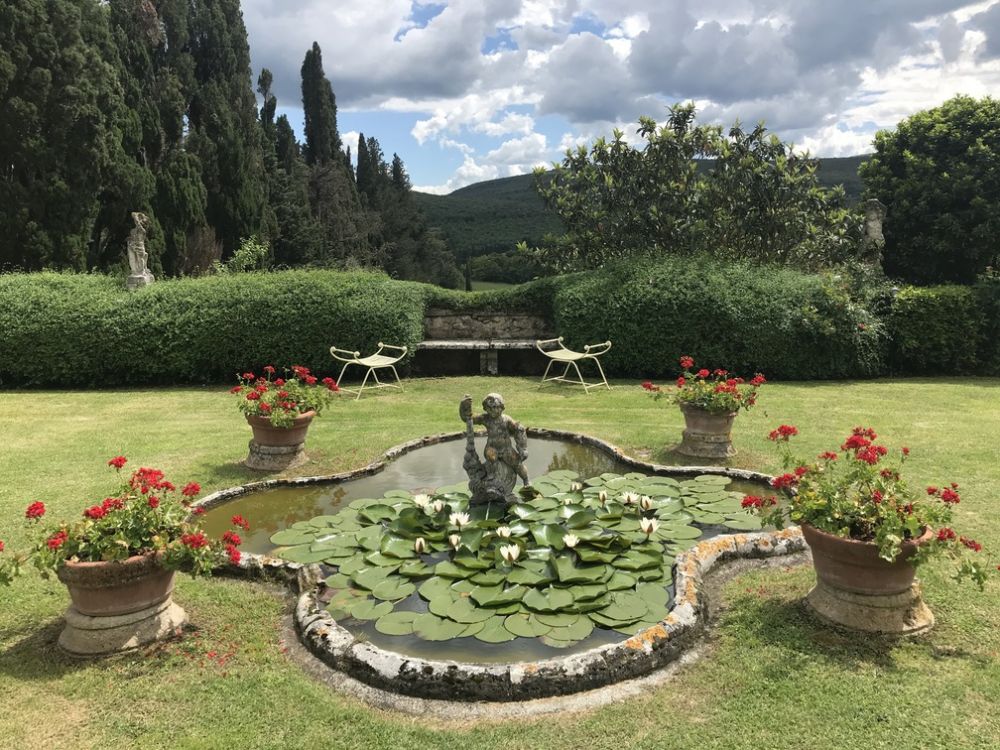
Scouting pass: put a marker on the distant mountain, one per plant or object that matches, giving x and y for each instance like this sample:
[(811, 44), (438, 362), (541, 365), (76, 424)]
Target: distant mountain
[(493, 216)]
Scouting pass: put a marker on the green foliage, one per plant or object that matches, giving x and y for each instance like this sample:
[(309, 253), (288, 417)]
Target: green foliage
[(319, 110), (251, 255), (937, 329), (988, 294), (58, 142), (759, 199), (781, 322), (511, 267), (938, 173), (72, 330)]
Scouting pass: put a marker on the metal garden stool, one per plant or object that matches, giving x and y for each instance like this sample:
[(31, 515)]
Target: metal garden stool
[(569, 358)]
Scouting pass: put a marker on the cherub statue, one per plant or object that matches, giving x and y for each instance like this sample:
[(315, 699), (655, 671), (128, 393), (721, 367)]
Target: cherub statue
[(493, 480), (137, 255)]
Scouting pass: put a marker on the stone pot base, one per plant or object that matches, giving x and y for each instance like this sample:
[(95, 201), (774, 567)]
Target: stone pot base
[(101, 636), (889, 614), (274, 457), (705, 445)]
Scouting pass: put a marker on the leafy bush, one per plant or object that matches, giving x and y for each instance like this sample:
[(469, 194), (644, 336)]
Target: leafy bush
[(80, 330), (935, 329), (939, 175), (745, 318), (988, 299)]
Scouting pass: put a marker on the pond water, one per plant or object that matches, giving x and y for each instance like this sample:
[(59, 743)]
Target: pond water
[(424, 470)]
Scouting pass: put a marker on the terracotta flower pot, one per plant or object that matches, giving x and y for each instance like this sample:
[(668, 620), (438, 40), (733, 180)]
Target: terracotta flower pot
[(707, 434), (118, 606), (265, 433), (858, 589), (277, 448)]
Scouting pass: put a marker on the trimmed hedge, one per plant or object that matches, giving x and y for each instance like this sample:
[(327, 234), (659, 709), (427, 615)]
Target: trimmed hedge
[(79, 330), (744, 318), (936, 330)]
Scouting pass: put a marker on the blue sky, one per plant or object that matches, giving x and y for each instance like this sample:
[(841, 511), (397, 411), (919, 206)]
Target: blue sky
[(469, 90)]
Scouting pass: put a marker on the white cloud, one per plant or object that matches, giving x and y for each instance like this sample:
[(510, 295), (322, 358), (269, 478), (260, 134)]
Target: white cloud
[(527, 151)]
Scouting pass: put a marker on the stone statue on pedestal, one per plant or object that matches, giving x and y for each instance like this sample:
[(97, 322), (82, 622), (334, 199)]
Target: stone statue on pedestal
[(873, 241), (493, 479), (137, 255)]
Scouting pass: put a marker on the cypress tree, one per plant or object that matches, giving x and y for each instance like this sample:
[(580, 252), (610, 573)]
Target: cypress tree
[(58, 144), (319, 107)]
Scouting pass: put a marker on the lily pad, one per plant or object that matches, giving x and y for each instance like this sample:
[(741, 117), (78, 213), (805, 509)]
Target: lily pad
[(397, 623), (291, 537), (370, 610), (494, 631)]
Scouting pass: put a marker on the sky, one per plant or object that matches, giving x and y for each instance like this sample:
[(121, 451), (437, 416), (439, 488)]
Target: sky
[(473, 90)]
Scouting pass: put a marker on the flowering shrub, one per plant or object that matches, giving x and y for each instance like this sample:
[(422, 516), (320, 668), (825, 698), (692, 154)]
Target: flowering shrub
[(716, 391), (143, 516), (283, 399), (859, 493)]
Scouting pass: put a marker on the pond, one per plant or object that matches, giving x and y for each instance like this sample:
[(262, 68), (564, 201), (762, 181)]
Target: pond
[(594, 560)]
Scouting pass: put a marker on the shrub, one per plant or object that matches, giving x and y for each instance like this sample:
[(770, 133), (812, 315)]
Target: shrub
[(935, 329), (988, 298), (745, 318), (81, 330)]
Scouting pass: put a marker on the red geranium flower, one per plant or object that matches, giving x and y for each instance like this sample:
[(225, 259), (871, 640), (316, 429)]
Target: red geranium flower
[(234, 554), (35, 510), (949, 496), (687, 362), (783, 481), (96, 512), (231, 537), (191, 489), (703, 373), (758, 379), (199, 511), (57, 540), (240, 522), (971, 544), (681, 381), (946, 535), (196, 540), (784, 432), (269, 369), (153, 501), (118, 461), (1, 545)]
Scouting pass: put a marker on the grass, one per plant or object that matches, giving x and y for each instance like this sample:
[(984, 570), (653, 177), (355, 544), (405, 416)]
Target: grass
[(771, 678)]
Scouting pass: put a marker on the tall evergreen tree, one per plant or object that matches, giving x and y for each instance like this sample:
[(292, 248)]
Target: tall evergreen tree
[(59, 100), (365, 177), (222, 118), (319, 107)]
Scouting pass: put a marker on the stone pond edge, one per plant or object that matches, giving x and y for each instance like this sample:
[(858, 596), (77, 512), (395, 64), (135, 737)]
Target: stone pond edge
[(634, 657)]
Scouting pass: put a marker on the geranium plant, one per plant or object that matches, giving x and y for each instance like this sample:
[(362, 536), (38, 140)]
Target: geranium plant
[(716, 391), (282, 399), (858, 493), (144, 516)]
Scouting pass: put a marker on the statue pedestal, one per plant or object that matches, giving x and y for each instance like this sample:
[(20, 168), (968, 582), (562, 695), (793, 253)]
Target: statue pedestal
[(139, 281)]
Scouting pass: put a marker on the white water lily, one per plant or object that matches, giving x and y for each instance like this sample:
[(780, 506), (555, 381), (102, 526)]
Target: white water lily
[(420, 545), (421, 501), (645, 502), (567, 501), (648, 525), (603, 497), (454, 540), (504, 532), (575, 487), (437, 506), (571, 540), (458, 519), (630, 498), (510, 552)]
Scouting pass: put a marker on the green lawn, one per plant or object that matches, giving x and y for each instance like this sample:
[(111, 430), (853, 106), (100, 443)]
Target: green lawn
[(771, 678)]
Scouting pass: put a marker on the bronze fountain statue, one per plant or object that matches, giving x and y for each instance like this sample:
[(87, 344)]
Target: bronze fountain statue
[(492, 480)]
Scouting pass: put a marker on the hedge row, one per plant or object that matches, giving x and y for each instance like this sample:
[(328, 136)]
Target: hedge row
[(78, 330), (948, 329), (747, 319)]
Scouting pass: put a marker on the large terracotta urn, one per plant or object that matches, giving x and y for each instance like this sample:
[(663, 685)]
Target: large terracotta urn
[(857, 589), (118, 605), (707, 434), (277, 448)]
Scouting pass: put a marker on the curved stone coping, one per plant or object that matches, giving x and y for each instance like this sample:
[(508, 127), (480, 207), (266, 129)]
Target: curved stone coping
[(634, 657), (222, 496), (449, 680)]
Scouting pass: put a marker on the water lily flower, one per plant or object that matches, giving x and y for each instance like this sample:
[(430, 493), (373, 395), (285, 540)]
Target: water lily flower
[(420, 545), (630, 498), (567, 500), (437, 506), (421, 501), (504, 532), (645, 502), (603, 497), (510, 552), (575, 487), (648, 525), (458, 519), (571, 540), (454, 540)]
